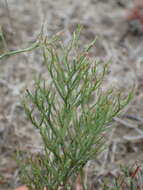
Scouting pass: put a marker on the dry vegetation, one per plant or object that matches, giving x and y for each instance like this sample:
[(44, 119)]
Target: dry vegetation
[(21, 22)]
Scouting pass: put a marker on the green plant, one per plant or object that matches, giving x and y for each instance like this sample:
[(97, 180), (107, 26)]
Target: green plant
[(131, 178), (72, 115)]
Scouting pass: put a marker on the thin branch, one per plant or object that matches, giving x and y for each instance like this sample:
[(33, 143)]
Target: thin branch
[(34, 46)]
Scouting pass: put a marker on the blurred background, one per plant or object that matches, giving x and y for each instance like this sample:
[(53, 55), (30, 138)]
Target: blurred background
[(118, 26)]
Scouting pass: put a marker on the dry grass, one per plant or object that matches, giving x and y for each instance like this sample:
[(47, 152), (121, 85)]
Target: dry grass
[(21, 22)]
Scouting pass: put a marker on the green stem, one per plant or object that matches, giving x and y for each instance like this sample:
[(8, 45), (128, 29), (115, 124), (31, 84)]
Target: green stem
[(35, 45)]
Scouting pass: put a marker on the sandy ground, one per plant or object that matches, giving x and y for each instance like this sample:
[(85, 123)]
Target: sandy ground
[(21, 22)]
